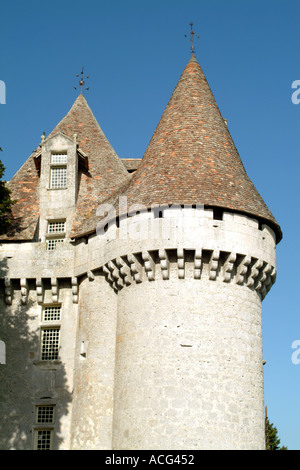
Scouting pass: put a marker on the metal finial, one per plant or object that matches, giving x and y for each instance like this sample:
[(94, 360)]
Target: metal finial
[(192, 38), (81, 81)]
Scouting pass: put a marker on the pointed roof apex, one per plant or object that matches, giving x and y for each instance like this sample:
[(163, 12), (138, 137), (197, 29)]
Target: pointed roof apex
[(193, 58), (106, 170), (191, 158), (104, 175)]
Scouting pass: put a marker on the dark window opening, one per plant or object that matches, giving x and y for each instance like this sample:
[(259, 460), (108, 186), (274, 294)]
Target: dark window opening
[(218, 213)]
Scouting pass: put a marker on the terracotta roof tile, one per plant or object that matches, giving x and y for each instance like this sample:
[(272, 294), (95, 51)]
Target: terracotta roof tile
[(131, 164), (191, 158), (105, 174), (24, 188)]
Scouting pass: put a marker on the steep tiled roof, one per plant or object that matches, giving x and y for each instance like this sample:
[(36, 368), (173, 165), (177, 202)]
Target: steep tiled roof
[(131, 164), (191, 158), (105, 174), (24, 188), (106, 171)]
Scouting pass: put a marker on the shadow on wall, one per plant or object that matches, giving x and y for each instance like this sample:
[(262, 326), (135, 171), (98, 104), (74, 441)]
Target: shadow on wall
[(25, 385)]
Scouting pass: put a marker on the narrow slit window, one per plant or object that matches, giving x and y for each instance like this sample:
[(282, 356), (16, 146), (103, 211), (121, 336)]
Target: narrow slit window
[(218, 213)]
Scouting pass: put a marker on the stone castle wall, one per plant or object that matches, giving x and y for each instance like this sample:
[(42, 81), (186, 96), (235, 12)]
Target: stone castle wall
[(160, 335)]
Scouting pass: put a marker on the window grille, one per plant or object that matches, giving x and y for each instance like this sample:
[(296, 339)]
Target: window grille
[(45, 414), (50, 344), (43, 439), (52, 242), (59, 158), (58, 177), (59, 226), (52, 313)]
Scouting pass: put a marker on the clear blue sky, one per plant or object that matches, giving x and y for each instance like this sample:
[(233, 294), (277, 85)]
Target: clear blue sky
[(135, 52)]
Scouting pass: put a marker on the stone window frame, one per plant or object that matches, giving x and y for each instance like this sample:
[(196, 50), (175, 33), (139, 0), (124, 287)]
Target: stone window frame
[(50, 343), (50, 324), (52, 242), (53, 311), (54, 226), (58, 180), (44, 414), (54, 237), (43, 429), (43, 443)]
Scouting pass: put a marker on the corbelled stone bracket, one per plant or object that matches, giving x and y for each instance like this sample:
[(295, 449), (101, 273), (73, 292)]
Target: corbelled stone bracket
[(40, 291), (149, 265), (7, 291), (240, 269), (197, 264), (41, 286), (164, 264), (54, 289), (74, 282), (24, 291)]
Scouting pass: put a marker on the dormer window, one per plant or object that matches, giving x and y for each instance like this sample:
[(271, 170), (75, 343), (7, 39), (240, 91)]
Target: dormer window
[(56, 233), (57, 226), (58, 171), (59, 158)]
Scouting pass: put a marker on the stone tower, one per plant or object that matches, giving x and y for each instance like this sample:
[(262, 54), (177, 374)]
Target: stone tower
[(141, 292)]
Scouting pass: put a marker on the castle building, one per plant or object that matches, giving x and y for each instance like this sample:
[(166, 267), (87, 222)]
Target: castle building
[(131, 290)]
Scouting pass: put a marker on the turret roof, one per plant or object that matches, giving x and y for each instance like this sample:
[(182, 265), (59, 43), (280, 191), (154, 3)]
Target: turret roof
[(105, 174), (191, 158), (106, 170)]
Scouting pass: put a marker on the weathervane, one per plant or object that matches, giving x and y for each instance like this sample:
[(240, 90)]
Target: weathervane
[(81, 81), (192, 38)]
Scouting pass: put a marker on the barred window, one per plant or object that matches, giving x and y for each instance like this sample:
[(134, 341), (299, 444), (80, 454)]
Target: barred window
[(50, 343), (52, 313), (58, 177), (59, 158), (45, 414), (43, 439), (58, 226), (52, 242)]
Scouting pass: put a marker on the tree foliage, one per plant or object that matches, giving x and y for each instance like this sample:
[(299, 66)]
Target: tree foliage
[(273, 441), (5, 203)]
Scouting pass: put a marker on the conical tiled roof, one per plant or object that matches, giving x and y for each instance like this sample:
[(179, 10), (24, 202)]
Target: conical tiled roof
[(105, 174), (191, 158)]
